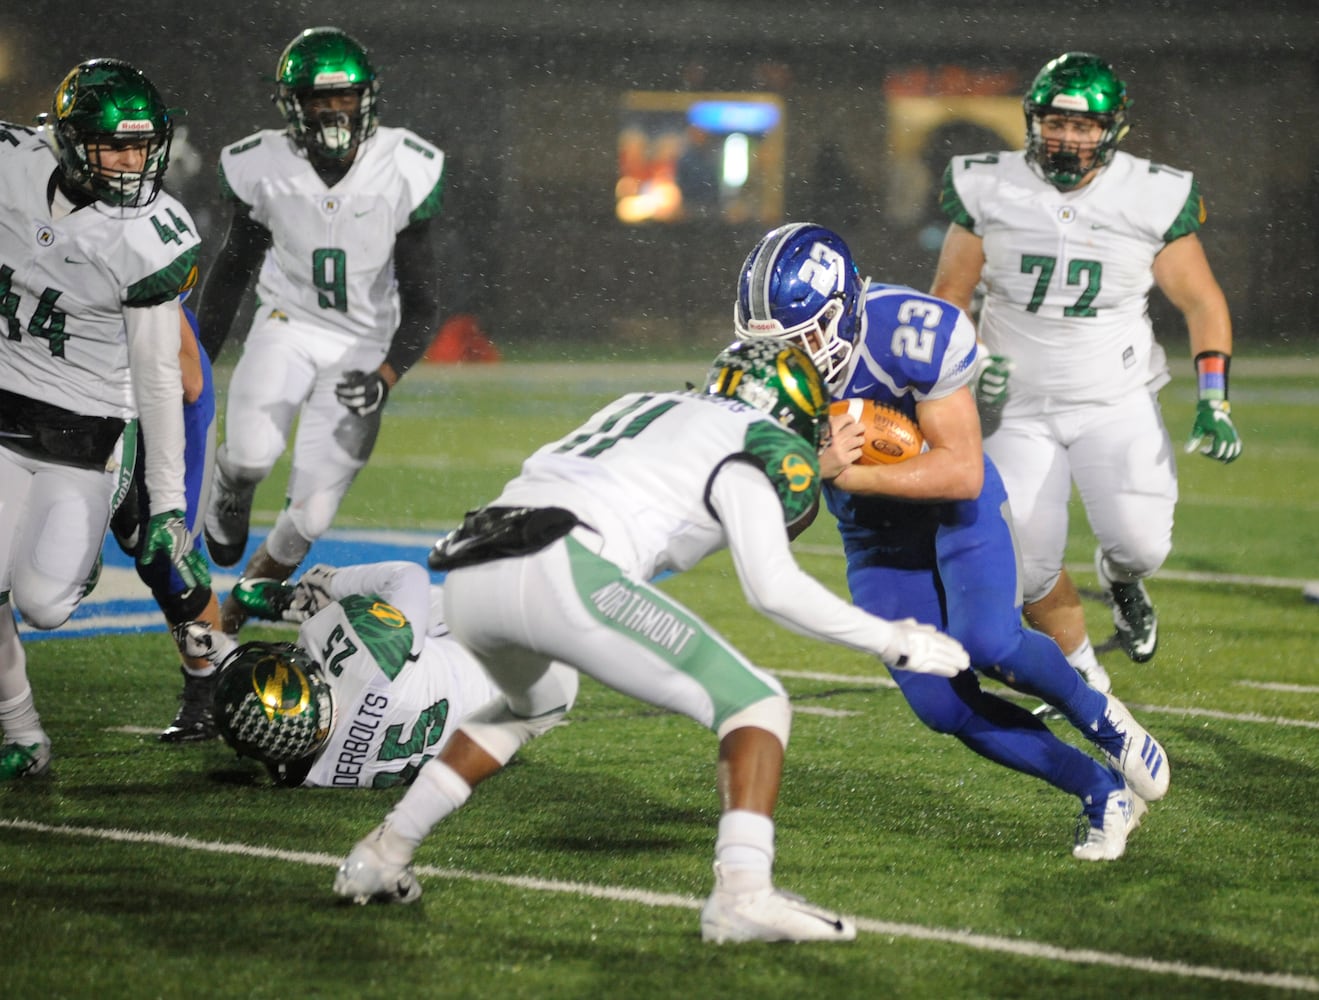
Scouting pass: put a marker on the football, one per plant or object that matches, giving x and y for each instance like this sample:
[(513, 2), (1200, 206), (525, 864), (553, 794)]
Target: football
[(891, 436)]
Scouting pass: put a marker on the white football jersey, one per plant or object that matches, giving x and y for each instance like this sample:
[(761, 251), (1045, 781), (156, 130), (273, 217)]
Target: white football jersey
[(331, 261), (639, 473), (395, 704), (1067, 273), (64, 283)]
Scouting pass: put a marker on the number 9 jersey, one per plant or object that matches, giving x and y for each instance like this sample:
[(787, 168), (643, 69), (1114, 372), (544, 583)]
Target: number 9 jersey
[(331, 258)]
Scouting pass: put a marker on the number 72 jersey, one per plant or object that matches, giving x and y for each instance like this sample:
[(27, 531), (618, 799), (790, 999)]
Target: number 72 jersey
[(65, 283), (1067, 274)]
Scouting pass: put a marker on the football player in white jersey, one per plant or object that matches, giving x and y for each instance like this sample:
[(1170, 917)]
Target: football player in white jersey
[(336, 213), (1067, 238), (93, 256), (556, 570), (372, 688)]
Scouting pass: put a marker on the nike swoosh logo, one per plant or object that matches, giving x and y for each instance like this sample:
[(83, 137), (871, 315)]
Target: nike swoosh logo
[(358, 215), (1096, 225), (70, 260)]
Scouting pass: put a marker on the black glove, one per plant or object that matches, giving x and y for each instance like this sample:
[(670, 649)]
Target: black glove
[(362, 392)]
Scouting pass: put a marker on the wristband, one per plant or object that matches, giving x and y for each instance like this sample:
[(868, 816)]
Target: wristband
[(1211, 374)]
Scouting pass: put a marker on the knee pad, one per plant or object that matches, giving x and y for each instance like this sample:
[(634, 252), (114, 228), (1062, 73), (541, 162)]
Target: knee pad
[(313, 515), (47, 603), (772, 714), (499, 732)]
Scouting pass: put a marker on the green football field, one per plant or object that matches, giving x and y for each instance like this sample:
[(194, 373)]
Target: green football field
[(136, 869)]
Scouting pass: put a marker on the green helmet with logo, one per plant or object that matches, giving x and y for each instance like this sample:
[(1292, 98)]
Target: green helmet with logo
[(776, 378), (107, 104), (272, 704), (324, 61), (1076, 83)]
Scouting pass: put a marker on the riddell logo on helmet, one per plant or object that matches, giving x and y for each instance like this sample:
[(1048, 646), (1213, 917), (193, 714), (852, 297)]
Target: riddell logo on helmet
[(135, 126), (764, 325), (1069, 102), (337, 78)]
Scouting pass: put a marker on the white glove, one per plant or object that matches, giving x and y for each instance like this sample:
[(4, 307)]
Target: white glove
[(310, 594), (198, 641), (923, 649)]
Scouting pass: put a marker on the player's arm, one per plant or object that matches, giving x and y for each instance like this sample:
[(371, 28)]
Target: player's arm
[(749, 509), (1183, 274), (245, 245), (952, 469), (190, 362), (414, 268), (961, 259)]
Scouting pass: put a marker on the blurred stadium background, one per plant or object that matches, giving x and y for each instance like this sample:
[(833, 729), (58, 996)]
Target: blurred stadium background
[(538, 105)]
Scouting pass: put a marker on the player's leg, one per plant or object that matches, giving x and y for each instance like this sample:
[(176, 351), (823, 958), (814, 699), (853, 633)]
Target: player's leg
[(273, 376), (331, 447), (52, 522), (1125, 470), (1034, 465)]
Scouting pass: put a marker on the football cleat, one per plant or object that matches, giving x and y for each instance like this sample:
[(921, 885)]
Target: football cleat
[(367, 876), (1133, 614), (1103, 827), (28, 761), (1311, 592), (768, 914), (226, 521), (195, 720), (1132, 750)]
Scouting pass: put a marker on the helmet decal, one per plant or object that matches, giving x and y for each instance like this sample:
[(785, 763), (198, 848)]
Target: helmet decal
[(777, 378), (272, 704)]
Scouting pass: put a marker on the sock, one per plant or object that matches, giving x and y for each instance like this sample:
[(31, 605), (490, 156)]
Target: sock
[(437, 791), (744, 850), (19, 720)]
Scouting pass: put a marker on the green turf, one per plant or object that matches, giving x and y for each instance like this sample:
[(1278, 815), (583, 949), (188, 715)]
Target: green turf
[(927, 844)]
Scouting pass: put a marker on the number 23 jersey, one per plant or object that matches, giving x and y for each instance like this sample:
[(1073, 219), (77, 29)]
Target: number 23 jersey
[(331, 258), (1067, 274)]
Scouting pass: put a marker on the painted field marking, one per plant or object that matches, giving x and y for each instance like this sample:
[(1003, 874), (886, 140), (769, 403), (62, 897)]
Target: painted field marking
[(967, 939)]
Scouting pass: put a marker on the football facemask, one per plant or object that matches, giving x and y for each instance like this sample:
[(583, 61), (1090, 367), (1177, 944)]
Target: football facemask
[(315, 73), (111, 132), (1082, 84), (799, 284)]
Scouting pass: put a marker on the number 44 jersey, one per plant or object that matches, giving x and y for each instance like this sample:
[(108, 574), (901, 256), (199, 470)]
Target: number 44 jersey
[(64, 283), (1067, 273)]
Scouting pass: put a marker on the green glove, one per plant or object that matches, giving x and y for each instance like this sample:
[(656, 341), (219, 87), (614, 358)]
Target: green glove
[(991, 388), (167, 536), (1213, 433)]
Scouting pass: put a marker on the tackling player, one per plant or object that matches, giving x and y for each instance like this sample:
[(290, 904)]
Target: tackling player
[(1067, 238), (927, 537), (556, 570), (336, 213), (371, 690), (93, 256)]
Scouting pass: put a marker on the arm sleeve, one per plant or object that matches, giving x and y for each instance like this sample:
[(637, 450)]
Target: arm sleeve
[(404, 585), (153, 364), (773, 583), (414, 267), (244, 247)]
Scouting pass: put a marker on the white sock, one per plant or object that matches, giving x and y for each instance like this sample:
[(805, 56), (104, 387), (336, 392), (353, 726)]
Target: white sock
[(744, 850), (19, 720), (437, 791)]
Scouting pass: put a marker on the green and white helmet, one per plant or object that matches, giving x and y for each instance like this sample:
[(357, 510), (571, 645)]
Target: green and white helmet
[(106, 103), (326, 61), (1076, 83), (272, 704), (776, 378)]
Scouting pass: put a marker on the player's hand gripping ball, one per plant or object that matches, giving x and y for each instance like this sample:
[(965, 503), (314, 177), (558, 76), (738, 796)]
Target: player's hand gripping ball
[(891, 435)]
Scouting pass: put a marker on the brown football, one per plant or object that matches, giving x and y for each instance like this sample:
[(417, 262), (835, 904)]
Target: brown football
[(891, 436)]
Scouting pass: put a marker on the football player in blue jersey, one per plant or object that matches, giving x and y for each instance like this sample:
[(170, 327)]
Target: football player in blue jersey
[(929, 538)]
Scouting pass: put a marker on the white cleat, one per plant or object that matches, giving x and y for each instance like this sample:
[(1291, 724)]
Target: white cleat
[(1132, 750), (769, 914), (1123, 812), (366, 876)]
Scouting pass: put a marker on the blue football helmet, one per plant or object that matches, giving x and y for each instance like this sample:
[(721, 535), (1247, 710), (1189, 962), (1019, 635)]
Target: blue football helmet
[(799, 284)]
